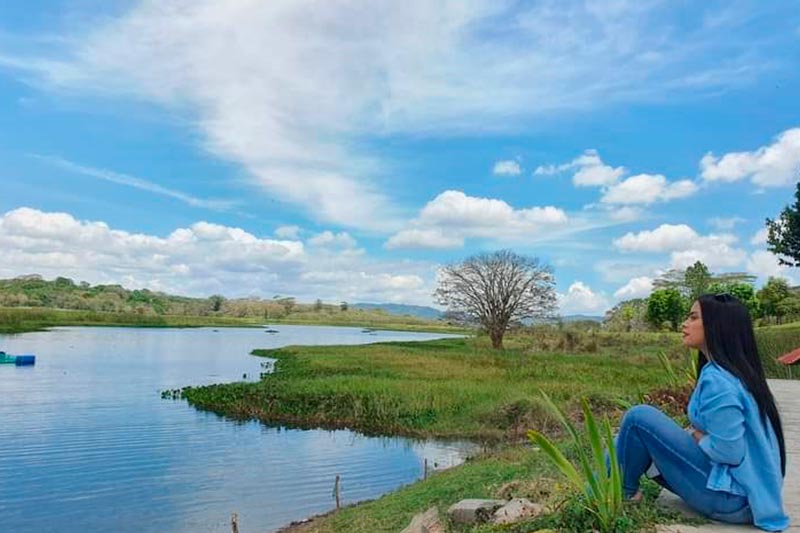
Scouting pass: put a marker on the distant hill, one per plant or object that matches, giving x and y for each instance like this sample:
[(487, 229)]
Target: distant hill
[(401, 309)]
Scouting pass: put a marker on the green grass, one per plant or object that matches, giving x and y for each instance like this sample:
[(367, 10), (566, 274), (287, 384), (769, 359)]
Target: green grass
[(505, 473), (22, 319), (446, 388), (463, 388)]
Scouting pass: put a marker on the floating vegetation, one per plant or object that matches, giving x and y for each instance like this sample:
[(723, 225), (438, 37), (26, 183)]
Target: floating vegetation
[(173, 394)]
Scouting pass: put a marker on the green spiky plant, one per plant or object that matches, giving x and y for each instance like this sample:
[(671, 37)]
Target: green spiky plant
[(601, 487)]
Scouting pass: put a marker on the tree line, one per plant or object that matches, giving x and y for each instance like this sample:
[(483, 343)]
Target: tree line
[(64, 293)]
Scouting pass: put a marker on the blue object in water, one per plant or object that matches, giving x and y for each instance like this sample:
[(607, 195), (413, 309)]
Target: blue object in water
[(25, 360), (19, 360)]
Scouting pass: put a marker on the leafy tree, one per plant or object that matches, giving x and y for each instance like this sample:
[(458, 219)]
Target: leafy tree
[(783, 234), (318, 305), (666, 305), (626, 316), (789, 306), (672, 279), (774, 291), (343, 306), (743, 291), (216, 302), (697, 279), (497, 289)]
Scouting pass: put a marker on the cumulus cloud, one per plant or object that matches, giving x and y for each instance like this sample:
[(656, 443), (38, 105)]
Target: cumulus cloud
[(295, 117), (647, 189), (724, 223), (203, 259), (764, 264), (639, 287), (625, 213), (590, 171), (434, 238), (288, 232), (581, 299), (509, 167), (334, 240), (643, 189), (760, 237), (685, 246), (665, 238), (452, 216), (775, 165)]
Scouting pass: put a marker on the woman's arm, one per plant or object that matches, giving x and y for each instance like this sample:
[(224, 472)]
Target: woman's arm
[(722, 418)]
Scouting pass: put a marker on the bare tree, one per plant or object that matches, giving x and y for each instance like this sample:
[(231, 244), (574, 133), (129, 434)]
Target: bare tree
[(497, 289)]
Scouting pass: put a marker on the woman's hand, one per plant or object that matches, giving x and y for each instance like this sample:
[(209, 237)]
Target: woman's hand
[(695, 433)]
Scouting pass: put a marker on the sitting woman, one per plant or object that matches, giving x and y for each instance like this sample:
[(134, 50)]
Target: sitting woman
[(730, 463)]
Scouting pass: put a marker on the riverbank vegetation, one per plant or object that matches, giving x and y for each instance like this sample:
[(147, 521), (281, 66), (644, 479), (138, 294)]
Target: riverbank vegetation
[(21, 319), (462, 388), (29, 303)]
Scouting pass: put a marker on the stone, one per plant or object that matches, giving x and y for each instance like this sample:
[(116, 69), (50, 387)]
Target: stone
[(473, 511), (516, 510), (427, 522)]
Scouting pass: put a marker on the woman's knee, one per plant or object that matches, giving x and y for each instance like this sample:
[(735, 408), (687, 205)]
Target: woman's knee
[(640, 415)]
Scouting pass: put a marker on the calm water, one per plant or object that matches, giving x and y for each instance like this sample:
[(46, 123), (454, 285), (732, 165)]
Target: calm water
[(87, 443)]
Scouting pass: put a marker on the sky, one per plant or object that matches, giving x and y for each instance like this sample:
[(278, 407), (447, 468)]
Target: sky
[(348, 150)]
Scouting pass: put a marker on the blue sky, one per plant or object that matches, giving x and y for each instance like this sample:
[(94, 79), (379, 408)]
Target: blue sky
[(345, 151)]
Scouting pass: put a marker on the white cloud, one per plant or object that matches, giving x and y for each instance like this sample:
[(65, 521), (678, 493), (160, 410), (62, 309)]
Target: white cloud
[(665, 238), (764, 264), (295, 117), (205, 258), (580, 299), (685, 246), (424, 238), (639, 287), (760, 237), (509, 167), (775, 165), (625, 213), (335, 240), (452, 216), (723, 223), (288, 232), (715, 255), (647, 189), (591, 171)]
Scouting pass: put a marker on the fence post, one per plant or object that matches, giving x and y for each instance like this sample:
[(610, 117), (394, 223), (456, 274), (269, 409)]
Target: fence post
[(425, 470), (234, 523), (336, 491)]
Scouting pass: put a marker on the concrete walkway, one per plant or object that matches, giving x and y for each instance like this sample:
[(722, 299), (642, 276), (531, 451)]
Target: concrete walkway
[(787, 395)]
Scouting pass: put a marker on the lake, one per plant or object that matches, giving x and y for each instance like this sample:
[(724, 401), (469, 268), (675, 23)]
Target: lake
[(87, 443)]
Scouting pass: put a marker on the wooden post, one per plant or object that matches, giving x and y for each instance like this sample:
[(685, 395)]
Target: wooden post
[(425, 470), (336, 491), (234, 523)]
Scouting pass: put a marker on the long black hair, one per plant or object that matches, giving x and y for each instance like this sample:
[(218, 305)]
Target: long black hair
[(731, 343)]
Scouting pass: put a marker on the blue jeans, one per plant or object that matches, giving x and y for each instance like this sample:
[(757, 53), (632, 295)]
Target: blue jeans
[(649, 436)]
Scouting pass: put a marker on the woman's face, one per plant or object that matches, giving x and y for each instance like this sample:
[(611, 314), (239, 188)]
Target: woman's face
[(693, 335)]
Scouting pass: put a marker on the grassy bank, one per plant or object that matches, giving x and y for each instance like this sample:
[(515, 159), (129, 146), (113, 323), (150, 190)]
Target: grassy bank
[(510, 472), (22, 319), (462, 388), (445, 388)]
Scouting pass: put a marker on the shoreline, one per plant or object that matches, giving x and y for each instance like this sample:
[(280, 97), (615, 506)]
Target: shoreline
[(26, 320)]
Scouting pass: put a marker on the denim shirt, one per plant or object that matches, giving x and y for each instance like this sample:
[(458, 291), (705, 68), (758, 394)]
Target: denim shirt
[(744, 451)]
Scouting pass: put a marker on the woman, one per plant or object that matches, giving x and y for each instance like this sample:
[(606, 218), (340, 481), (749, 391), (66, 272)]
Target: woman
[(730, 463)]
